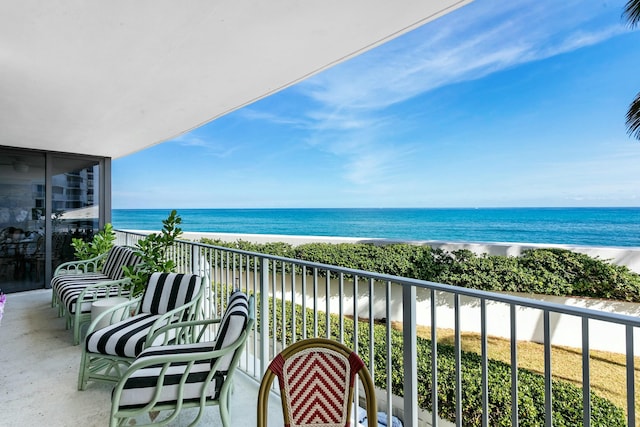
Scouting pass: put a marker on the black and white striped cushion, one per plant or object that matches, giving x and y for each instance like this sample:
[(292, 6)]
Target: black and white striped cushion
[(71, 293), (125, 338), (59, 282), (233, 323), (118, 257), (69, 287), (139, 389), (166, 291)]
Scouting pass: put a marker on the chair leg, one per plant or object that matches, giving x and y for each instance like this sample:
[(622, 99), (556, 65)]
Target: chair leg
[(82, 373), (223, 403), (224, 410), (76, 329)]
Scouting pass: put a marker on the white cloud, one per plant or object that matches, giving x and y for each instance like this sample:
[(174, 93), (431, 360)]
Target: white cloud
[(485, 37), (477, 40), (253, 114), (210, 147)]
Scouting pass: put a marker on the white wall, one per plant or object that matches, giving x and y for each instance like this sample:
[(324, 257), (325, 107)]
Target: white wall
[(566, 330)]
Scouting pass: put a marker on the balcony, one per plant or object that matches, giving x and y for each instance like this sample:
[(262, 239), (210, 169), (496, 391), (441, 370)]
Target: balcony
[(40, 370), (389, 310)]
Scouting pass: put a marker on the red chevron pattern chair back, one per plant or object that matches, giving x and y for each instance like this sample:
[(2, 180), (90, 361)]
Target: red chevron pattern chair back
[(317, 378)]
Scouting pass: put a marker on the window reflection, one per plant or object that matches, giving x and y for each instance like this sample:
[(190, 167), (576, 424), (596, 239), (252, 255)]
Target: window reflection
[(22, 233), (74, 201)]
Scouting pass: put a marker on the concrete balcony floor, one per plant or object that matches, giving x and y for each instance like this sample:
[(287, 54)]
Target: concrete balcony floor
[(39, 370)]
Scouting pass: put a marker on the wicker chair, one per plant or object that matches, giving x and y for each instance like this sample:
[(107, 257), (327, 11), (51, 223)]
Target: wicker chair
[(316, 378)]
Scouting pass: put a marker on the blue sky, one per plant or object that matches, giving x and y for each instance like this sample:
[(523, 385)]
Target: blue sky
[(498, 104)]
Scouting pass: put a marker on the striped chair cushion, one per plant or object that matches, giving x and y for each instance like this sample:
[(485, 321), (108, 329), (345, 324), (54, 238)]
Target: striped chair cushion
[(233, 323), (166, 291), (69, 287), (70, 294), (118, 257), (58, 283), (140, 387), (125, 338)]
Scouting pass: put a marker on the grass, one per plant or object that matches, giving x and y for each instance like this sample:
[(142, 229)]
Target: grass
[(608, 370)]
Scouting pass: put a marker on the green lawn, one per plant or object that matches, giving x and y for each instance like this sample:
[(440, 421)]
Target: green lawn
[(608, 370)]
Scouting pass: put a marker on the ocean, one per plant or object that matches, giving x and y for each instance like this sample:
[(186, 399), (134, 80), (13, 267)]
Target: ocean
[(572, 226)]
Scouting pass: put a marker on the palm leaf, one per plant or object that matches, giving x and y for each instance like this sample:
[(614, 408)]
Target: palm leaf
[(632, 12), (633, 118)]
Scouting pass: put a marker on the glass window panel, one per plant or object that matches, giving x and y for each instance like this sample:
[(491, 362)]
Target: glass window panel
[(22, 232), (75, 204)]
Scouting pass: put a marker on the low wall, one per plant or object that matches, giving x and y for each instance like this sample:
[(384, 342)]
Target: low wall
[(565, 330)]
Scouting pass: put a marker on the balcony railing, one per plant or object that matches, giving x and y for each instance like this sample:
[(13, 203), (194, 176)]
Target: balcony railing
[(298, 299)]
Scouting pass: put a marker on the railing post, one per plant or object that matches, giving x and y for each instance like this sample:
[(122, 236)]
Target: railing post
[(410, 356), (264, 315), (631, 387), (195, 261)]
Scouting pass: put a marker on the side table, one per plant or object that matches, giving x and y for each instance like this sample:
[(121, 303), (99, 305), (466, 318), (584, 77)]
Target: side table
[(103, 305)]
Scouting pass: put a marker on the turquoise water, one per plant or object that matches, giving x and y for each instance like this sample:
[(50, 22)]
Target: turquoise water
[(579, 226)]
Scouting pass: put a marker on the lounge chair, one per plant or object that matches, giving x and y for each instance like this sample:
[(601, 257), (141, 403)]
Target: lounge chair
[(198, 374), (107, 352), (77, 284)]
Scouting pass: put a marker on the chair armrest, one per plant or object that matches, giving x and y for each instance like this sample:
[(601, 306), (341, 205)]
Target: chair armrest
[(79, 266), (183, 313), (189, 332), (116, 313), (90, 293), (193, 331), (189, 356)]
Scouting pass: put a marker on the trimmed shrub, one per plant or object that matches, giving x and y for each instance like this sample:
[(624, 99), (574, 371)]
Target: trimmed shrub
[(539, 271)]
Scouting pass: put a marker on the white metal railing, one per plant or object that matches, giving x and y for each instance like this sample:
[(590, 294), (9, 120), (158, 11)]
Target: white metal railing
[(297, 299)]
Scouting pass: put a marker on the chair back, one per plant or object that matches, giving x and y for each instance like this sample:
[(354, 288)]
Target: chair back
[(118, 257), (316, 378), (233, 323), (166, 291)]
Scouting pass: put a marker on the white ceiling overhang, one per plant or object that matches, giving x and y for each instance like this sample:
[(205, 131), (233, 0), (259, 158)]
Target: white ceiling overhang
[(112, 77)]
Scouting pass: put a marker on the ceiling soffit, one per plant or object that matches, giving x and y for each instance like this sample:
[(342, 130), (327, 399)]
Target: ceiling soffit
[(110, 78)]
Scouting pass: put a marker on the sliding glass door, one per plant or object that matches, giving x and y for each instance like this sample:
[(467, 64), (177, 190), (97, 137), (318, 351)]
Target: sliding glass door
[(22, 225), (75, 207), (46, 200)]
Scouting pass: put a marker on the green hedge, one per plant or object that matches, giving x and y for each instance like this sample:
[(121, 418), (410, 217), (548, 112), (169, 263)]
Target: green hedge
[(566, 398), (541, 271)]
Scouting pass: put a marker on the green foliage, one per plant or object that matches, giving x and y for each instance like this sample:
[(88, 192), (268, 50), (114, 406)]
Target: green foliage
[(566, 398), (100, 244), (539, 271), (152, 250), (273, 248)]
